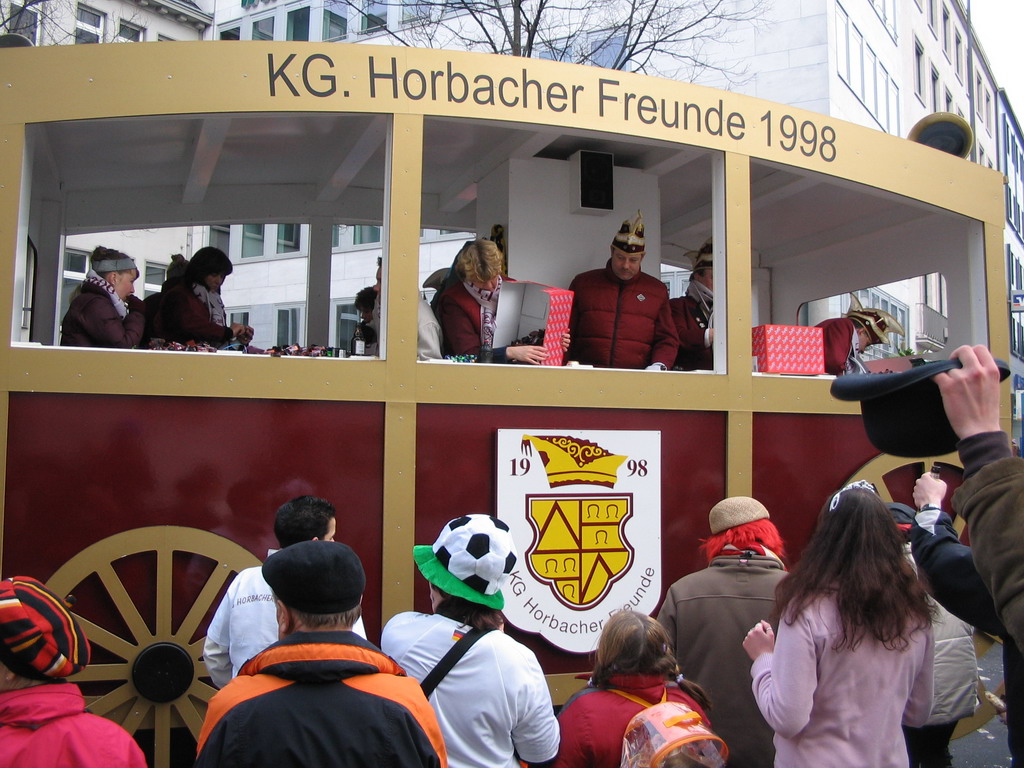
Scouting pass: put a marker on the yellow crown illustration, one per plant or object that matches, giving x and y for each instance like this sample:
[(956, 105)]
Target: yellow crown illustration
[(571, 461)]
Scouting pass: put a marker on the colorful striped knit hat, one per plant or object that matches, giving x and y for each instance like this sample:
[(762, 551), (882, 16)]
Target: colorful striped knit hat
[(39, 638)]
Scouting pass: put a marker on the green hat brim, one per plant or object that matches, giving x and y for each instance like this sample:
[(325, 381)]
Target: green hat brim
[(442, 578)]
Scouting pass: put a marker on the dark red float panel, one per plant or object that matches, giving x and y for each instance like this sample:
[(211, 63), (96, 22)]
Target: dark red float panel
[(83, 467), (456, 450)]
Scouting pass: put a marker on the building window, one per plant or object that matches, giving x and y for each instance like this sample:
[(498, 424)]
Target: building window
[(949, 102), (252, 241), (842, 43), (345, 320), (932, 16), (129, 33), (289, 328), (88, 26), (935, 90), (240, 316), (919, 69), (154, 277), (606, 48), (958, 56), (298, 24), (263, 29), (374, 17), (363, 235), (871, 81), (335, 27), (220, 237), (945, 30), (231, 33), (76, 263), (289, 238), (412, 10), (24, 21)]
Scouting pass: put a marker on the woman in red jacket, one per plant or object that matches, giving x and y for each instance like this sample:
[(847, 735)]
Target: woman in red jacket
[(192, 309), (467, 310), (106, 312), (634, 668)]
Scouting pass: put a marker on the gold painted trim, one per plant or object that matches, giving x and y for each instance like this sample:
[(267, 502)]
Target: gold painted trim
[(402, 209)]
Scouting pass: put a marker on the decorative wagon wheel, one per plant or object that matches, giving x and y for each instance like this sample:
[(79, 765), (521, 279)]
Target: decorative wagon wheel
[(876, 471), (131, 590)]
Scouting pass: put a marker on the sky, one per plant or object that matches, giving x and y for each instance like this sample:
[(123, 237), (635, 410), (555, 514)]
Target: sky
[(999, 25)]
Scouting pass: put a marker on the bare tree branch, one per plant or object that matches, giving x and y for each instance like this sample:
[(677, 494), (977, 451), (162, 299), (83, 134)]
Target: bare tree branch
[(650, 36)]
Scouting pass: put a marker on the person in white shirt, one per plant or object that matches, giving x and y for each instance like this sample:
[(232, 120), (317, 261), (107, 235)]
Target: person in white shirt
[(246, 621), (493, 704)]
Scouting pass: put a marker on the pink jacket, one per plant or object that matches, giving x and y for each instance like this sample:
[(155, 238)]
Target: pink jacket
[(47, 725), (841, 708)]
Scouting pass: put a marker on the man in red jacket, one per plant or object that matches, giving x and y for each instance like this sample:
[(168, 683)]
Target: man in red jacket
[(620, 316)]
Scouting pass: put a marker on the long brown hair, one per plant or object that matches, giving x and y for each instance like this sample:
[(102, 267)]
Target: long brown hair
[(633, 643), (855, 557)]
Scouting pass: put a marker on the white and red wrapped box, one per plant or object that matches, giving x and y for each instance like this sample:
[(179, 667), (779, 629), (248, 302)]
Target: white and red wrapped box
[(789, 349), (524, 307)]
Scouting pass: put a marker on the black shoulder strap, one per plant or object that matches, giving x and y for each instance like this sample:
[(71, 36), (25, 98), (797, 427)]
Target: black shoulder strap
[(449, 660)]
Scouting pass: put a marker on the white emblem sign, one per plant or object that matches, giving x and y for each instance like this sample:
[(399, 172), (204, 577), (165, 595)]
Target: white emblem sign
[(584, 509)]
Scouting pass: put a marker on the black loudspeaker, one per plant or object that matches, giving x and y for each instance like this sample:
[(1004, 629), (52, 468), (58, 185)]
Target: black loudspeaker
[(596, 180)]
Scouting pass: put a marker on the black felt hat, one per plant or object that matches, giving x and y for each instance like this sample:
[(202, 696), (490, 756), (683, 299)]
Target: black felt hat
[(903, 412), (316, 576)]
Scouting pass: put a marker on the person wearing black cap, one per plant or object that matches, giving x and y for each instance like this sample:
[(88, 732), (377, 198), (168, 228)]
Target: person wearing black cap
[(321, 695), (246, 621), (43, 721)]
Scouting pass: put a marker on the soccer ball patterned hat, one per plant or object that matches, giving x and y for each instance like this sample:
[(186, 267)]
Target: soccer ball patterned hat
[(472, 559)]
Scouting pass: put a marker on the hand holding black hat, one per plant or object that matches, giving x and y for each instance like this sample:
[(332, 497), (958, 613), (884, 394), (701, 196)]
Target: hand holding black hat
[(970, 394)]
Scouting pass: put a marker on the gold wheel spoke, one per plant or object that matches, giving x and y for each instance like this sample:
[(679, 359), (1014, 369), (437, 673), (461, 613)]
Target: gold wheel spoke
[(201, 690), (103, 673), (164, 590), (162, 736), (202, 604), (190, 714), (125, 606), (114, 699), (106, 639), (136, 715)]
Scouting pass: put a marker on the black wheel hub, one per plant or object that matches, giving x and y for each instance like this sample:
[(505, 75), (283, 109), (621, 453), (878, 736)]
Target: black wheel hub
[(163, 672)]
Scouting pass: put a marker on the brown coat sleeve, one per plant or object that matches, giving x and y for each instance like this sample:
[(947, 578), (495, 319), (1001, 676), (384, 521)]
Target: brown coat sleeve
[(992, 503)]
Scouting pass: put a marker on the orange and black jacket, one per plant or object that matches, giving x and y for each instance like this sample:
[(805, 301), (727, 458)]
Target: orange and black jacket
[(321, 698)]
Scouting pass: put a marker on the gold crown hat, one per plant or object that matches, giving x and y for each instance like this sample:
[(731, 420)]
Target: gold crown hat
[(877, 322), (630, 237), (702, 258), (572, 461)]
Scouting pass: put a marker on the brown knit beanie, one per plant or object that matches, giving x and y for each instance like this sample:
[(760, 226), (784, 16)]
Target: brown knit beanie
[(736, 510)]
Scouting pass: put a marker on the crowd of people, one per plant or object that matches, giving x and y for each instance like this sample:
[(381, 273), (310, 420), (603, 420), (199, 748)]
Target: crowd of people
[(621, 317), (844, 659)]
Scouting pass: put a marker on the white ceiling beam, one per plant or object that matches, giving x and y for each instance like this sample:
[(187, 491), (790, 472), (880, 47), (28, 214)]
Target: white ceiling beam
[(354, 160), (206, 153), (462, 191)]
